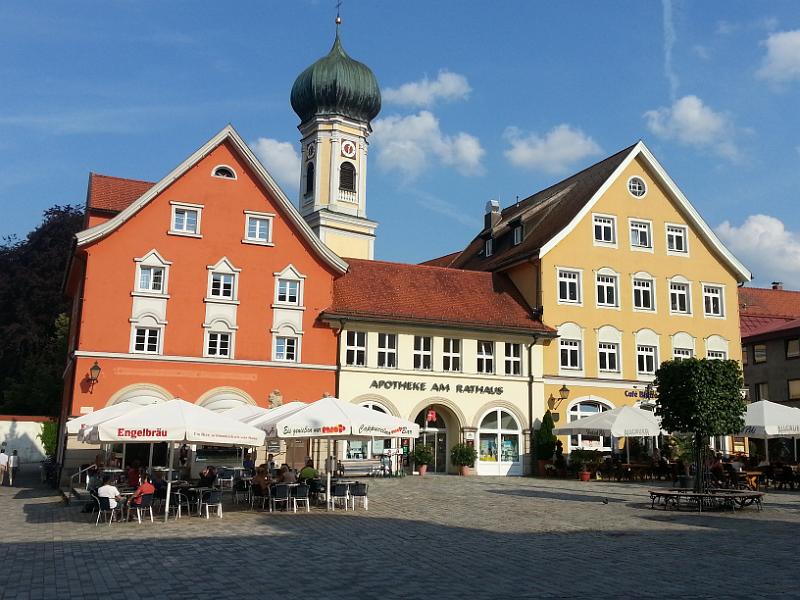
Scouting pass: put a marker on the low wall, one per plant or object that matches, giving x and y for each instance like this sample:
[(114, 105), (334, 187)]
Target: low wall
[(21, 433)]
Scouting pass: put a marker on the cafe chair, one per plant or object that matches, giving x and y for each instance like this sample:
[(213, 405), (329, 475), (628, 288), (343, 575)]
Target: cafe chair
[(209, 499), (257, 494), (281, 493), (301, 496), (145, 505), (359, 492), (241, 490), (104, 510), (339, 492), (178, 502)]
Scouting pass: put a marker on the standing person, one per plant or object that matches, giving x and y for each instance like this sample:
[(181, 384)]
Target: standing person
[(3, 465), (13, 467)]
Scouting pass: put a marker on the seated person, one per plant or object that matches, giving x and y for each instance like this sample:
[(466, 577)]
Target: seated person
[(261, 481), (146, 488), (160, 485), (109, 491), (287, 475), (308, 472), (207, 477)]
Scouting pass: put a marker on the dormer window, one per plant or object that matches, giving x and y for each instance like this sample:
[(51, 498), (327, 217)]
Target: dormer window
[(517, 235), (488, 247), (347, 177), (224, 172)]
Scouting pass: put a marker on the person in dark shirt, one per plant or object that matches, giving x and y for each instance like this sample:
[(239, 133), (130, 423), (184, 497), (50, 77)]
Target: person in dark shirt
[(207, 477)]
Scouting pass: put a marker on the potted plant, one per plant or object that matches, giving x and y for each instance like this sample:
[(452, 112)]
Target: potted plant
[(423, 456), (463, 456), (545, 443), (581, 463)]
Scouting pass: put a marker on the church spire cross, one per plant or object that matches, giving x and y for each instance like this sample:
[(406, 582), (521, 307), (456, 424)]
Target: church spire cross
[(338, 16)]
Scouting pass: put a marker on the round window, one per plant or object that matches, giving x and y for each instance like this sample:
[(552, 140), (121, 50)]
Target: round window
[(637, 187)]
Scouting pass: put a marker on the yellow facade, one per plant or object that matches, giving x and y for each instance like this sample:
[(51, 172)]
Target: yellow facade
[(576, 250)]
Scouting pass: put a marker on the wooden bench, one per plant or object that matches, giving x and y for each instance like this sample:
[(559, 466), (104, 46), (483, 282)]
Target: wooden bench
[(713, 498)]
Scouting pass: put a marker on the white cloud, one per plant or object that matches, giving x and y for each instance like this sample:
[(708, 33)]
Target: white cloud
[(691, 122), (449, 209), (554, 152), (409, 144), (782, 62), (282, 162), (447, 86), (669, 42), (758, 242)]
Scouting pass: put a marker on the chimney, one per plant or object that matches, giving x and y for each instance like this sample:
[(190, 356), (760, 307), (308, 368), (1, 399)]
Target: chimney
[(777, 285), (492, 216)]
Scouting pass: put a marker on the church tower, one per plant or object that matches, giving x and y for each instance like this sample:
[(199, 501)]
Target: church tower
[(336, 98)]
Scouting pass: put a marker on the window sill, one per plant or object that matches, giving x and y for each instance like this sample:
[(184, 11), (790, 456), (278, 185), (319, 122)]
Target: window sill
[(185, 234), (257, 242), (718, 317), (213, 300), (609, 307), (676, 253), (642, 249), (651, 311), (679, 314), (569, 303), (143, 294), (287, 306), (599, 244), (285, 360)]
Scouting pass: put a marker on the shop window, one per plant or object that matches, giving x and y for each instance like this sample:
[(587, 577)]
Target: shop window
[(499, 437)]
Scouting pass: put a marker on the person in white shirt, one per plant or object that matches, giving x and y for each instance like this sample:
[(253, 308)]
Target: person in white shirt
[(109, 491), (3, 465), (13, 467)]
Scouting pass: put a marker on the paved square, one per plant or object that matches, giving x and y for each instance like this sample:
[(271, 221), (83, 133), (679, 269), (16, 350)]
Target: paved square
[(438, 536)]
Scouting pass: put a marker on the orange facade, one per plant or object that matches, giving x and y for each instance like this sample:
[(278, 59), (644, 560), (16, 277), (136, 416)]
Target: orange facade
[(103, 278)]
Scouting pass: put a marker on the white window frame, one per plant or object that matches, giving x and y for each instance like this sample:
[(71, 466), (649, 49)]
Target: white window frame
[(574, 413), (608, 349), (600, 219), (647, 351), (578, 273), (387, 350), (223, 267), (287, 288), (612, 284), (667, 233), (289, 273), (217, 334), (682, 353), (151, 260), (575, 346), (185, 206), (355, 342), (222, 278), (451, 355), (484, 363), (716, 355), (628, 186), (720, 289), (422, 355), (284, 356), (687, 286), (230, 168), (652, 283), (648, 227), (249, 216), (517, 235), (147, 327), (488, 247), (513, 359)]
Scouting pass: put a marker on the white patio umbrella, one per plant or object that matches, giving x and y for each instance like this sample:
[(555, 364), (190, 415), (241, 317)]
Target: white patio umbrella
[(333, 418), (625, 421), (266, 422), (178, 421), (245, 412), (765, 420)]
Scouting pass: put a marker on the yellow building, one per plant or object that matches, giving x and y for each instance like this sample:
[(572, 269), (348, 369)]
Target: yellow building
[(628, 273)]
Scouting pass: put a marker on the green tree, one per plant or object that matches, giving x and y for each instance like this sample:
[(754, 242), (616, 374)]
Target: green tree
[(544, 439), (49, 437), (702, 397)]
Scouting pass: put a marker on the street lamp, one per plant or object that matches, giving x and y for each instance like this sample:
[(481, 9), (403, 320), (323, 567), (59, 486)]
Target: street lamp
[(563, 393), (94, 374)]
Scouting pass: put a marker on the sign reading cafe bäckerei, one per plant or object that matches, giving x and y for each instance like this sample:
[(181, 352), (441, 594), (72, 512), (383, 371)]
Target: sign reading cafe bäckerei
[(422, 386)]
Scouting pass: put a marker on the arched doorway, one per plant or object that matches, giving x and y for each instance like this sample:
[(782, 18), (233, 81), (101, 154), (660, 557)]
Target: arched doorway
[(439, 428), (499, 444)]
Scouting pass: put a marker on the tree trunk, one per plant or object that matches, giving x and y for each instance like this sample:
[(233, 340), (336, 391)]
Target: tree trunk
[(699, 462)]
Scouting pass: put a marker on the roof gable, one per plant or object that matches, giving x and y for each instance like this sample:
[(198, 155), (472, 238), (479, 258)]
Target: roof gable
[(230, 135)]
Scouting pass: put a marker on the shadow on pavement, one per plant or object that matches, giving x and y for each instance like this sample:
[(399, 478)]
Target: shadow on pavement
[(533, 493)]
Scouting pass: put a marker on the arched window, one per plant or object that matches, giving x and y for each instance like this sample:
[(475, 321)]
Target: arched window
[(225, 172), (587, 408), (499, 437), (309, 178), (347, 177), (374, 448)]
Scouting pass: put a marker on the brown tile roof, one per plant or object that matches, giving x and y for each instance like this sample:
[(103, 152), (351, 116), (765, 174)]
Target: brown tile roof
[(543, 215), (776, 328), (383, 291), (766, 302), (441, 261), (749, 325), (114, 194)]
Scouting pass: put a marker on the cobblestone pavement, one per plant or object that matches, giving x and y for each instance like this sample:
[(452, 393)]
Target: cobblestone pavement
[(441, 536)]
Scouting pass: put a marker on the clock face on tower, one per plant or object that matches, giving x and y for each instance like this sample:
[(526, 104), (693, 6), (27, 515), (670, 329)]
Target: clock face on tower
[(348, 149), (311, 151)]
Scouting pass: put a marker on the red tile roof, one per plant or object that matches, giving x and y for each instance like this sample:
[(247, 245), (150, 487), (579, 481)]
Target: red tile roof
[(776, 328), (442, 261), (384, 291), (765, 302), (751, 325), (114, 194)]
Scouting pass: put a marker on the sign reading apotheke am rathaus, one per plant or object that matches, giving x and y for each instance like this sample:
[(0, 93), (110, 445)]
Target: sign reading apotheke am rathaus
[(424, 386)]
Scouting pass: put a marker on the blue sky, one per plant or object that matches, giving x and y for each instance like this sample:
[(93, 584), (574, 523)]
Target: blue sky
[(481, 100)]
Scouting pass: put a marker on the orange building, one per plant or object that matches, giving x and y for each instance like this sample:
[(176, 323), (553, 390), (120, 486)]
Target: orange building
[(204, 286)]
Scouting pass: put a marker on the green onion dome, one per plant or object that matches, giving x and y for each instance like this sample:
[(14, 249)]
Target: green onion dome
[(336, 85)]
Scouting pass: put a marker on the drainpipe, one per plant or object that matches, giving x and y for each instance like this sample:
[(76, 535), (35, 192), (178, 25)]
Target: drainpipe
[(530, 399), (338, 356)]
